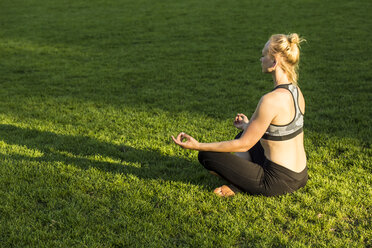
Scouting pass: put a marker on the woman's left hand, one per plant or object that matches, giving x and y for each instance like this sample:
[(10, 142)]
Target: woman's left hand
[(241, 121), (189, 143)]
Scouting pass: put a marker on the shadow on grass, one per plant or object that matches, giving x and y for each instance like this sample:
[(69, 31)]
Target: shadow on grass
[(86, 153)]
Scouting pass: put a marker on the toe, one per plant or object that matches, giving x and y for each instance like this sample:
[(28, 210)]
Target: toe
[(227, 191), (218, 191)]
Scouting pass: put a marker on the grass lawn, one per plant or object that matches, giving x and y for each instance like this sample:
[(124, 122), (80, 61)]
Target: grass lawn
[(91, 92)]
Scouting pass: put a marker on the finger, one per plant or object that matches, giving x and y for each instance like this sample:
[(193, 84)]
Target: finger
[(186, 136), (178, 142), (179, 137), (175, 140)]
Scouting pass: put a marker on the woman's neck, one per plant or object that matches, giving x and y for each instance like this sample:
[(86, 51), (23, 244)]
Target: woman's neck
[(279, 77)]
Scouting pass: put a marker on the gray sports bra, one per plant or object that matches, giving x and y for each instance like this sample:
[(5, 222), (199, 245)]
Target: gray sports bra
[(295, 127)]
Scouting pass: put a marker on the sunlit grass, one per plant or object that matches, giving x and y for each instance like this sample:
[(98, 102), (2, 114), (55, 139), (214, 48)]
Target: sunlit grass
[(92, 91)]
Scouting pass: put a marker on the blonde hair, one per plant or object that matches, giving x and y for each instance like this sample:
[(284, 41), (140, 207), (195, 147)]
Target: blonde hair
[(288, 47)]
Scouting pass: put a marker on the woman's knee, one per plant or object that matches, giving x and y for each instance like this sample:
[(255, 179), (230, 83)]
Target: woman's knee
[(205, 156), (201, 157)]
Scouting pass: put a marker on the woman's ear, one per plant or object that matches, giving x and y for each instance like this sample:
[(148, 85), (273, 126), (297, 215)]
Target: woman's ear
[(275, 63)]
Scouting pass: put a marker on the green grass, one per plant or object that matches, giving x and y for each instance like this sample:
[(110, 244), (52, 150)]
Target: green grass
[(91, 92)]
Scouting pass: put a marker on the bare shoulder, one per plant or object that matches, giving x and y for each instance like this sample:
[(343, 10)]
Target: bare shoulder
[(276, 97), (270, 101)]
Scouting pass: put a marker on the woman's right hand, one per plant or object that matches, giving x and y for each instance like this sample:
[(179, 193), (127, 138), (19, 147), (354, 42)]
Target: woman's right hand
[(186, 141), (241, 121)]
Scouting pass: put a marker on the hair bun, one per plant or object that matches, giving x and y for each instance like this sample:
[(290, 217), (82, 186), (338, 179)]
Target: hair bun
[(293, 38)]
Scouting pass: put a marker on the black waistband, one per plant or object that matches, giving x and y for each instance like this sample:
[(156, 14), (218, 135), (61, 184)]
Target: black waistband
[(270, 165)]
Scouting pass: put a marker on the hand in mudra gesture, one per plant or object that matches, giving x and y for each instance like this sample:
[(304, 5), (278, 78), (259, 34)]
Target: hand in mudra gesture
[(241, 121), (186, 141)]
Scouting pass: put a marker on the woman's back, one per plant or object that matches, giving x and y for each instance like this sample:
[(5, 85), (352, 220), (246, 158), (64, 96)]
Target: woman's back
[(289, 153)]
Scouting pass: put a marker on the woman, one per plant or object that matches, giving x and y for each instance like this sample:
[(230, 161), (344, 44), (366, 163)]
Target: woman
[(275, 163)]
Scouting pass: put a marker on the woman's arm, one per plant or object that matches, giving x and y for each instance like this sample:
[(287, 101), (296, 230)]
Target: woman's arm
[(261, 119)]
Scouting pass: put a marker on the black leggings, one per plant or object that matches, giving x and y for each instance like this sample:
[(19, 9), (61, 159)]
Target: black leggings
[(259, 177)]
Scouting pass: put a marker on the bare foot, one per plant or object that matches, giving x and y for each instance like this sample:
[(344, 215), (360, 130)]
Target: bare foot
[(226, 191)]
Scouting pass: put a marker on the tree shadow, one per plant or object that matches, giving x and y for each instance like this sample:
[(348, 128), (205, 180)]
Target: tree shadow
[(85, 153)]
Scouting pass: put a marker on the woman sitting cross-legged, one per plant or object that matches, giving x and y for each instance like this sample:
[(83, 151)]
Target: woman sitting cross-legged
[(269, 156)]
